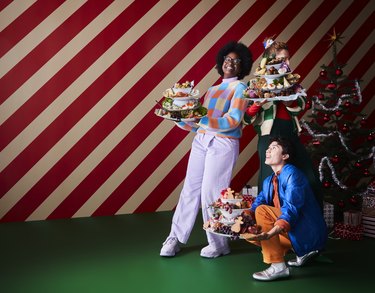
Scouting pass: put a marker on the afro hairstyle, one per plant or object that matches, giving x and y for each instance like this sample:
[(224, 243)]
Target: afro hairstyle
[(242, 51)]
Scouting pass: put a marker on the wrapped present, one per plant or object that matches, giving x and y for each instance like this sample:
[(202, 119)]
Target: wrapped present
[(352, 218), (348, 232), (368, 201), (329, 214), (368, 222)]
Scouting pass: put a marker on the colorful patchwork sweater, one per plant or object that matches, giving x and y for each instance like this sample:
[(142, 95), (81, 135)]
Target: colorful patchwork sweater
[(225, 110)]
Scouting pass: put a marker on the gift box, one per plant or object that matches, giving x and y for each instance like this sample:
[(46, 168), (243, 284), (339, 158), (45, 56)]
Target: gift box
[(329, 214), (348, 232), (368, 201), (368, 222)]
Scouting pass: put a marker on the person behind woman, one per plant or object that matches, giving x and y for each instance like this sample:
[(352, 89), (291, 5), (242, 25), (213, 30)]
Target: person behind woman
[(214, 151), (288, 213), (280, 118)]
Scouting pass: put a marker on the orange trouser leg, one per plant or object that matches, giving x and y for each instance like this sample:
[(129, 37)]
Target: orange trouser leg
[(275, 248)]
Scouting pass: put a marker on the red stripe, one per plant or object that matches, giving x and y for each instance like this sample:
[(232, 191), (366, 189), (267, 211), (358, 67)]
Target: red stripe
[(25, 23), (75, 156), (4, 3), (165, 188), (118, 198), (246, 173), (53, 88), (51, 45)]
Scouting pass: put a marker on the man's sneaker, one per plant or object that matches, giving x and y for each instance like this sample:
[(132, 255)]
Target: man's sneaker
[(170, 247), (300, 261), (211, 252), (271, 274)]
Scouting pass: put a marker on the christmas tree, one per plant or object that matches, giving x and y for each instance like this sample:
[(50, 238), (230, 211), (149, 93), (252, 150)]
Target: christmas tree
[(341, 143)]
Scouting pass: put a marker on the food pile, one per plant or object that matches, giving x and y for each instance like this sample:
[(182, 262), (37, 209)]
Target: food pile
[(230, 215), (274, 79), (181, 103)]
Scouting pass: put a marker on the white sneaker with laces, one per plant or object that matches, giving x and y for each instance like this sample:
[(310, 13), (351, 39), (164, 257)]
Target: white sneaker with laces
[(170, 247), (211, 252)]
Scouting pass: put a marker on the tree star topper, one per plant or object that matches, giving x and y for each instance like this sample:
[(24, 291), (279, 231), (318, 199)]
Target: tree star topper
[(334, 38)]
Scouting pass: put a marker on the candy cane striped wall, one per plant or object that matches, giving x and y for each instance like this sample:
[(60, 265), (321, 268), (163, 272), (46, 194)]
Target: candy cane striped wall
[(79, 79)]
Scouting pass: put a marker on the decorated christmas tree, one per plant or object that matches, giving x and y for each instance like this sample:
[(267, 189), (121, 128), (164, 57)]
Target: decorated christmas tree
[(340, 142)]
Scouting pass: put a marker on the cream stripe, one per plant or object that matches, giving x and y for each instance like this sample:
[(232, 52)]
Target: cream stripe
[(12, 11), (13, 149), (137, 199), (59, 150), (112, 97), (38, 34), (48, 70)]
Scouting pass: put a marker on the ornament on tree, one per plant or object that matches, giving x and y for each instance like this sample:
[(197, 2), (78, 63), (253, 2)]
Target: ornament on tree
[(341, 204), (338, 113), (345, 128), (320, 96), (366, 172), (326, 117), (358, 164), (323, 73), (353, 200), (331, 86), (347, 104), (363, 122), (338, 71), (308, 105), (335, 159), (316, 142), (327, 184), (370, 137)]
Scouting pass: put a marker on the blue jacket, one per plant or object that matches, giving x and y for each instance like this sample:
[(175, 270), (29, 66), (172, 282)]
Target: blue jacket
[(308, 230)]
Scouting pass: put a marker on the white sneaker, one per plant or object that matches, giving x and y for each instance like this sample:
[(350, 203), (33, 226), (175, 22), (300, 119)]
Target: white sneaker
[(211, 252), (170, 247)]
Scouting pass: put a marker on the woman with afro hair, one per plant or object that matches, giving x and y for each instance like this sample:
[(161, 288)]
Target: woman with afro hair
[(214, 151)]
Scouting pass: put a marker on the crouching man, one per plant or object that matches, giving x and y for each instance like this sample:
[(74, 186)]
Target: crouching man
[(288, 213)]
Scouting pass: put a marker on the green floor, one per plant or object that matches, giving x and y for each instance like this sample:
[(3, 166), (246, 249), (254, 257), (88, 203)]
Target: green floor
[(121, 254)]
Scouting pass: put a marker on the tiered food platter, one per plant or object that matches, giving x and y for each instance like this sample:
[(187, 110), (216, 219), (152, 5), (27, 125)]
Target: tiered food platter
[(181, 103), (274, 80), (231, 217)]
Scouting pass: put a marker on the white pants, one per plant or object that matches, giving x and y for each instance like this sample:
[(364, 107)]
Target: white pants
[(209, 171)]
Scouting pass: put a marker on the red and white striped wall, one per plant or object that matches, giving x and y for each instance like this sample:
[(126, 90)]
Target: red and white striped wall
[(79, 80)]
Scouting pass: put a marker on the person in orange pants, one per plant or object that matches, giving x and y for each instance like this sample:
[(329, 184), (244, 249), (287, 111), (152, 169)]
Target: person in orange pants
[(288, 213)]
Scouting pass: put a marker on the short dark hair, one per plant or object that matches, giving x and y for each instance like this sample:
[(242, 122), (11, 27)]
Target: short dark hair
[(242, 51), (286, 145)]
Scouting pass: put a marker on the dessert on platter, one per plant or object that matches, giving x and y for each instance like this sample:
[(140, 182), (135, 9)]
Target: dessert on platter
[(181, 103), (231, 217), (274, 80)]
